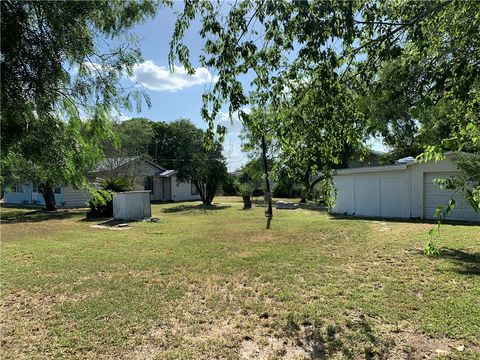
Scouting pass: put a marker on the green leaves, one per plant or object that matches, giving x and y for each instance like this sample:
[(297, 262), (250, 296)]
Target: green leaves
[(431, 249), (466, 183), (58, 71), (419, 54)]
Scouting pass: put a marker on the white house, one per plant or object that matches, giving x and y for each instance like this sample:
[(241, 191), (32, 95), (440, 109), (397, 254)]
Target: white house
[(162, 184), (404, 190)]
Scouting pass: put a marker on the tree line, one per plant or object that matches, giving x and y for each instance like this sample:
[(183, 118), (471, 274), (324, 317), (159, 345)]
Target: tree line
[(178, 145), (325, 77)]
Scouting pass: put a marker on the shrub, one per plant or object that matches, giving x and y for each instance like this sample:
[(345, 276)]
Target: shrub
[(245, 191), (287, 190), (115, 184), (100, 204)]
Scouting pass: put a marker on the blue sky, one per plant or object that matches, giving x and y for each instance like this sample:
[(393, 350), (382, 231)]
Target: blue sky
[(179, 95)]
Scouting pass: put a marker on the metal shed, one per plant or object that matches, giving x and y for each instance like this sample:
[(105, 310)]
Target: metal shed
[(399, 191), (132, 205)]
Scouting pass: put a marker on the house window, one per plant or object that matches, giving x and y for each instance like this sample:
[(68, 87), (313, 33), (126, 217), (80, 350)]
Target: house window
[(194, 190), (58, 190), (17, 188), (148, 183)]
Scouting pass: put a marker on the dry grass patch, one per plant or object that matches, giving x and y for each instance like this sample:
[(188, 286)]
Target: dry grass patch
[(214, 283)]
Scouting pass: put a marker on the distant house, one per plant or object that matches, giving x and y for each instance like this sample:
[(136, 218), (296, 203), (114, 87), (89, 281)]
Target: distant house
[(403, 190), (162, 183)]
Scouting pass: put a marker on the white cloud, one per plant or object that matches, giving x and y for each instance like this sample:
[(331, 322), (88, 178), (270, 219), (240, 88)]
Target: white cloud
[(159, 78), (233, 125), (119, 116)]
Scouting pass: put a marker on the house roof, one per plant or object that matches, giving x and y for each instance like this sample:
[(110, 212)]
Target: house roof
[(167, 173), (113, 163), (389, 168)]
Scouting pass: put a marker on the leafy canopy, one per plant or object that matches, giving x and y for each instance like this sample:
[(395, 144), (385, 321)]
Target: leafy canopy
[(58, 69), (280, 44), (180, 145)]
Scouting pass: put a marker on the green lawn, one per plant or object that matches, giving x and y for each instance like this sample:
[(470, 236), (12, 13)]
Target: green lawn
[(217, 284)]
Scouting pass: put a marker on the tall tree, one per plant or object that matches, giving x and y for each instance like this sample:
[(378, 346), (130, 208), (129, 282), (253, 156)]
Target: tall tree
[(280, 44), (314, 129), (132, 137), (56, 70), (180, 145)]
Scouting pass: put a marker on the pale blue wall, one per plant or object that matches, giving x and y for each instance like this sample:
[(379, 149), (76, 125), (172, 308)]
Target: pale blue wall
[(19, 198), (58, 199), (15, 198), (26, 196)]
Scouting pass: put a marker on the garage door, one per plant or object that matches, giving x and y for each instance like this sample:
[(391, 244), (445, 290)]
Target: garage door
[(394, 197), (381, 196), (344, 202), (367, 196), (434, 196)]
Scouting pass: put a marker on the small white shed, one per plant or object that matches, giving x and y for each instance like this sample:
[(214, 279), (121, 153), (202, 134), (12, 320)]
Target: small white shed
[(132, 205), (399, 191)]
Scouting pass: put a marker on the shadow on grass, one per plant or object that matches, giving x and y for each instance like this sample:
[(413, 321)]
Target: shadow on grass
[(19, 216), (401, 220), (466, 263), (107, 221), (269, 222), (194, 208), (356, 339)]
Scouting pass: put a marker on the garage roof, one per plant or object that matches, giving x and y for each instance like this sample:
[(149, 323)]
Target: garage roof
[(388, 168)]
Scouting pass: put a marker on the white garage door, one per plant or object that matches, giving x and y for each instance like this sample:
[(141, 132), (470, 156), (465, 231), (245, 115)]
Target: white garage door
[(394, 197), (383, 196), (434, 196), (367, 196), (344, 202)]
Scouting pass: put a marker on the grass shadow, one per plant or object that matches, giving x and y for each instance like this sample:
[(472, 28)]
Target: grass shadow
[(107, 221), (356, 339), (269, 222), (400, 220), (313, 207), (466, 263), (21, 216), (194, 208)]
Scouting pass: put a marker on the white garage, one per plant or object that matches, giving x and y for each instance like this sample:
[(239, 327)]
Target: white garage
[(399, 191)]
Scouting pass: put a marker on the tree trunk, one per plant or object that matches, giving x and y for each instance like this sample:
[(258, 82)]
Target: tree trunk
[(200, 192), (268, 194), (305, 192), (247, 202), (307, 188), (49, 196), (210, 196)]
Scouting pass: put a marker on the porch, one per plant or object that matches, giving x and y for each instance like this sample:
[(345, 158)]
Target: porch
[(161, 189)]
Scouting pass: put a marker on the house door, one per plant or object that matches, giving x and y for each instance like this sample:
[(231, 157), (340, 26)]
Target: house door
[(167, 193), (158, 188)]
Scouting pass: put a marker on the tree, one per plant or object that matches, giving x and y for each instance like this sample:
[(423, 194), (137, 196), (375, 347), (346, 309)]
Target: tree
[(315, 129), (252, 173), (135, 136), (130, 138), (208, 171), (182, 147), (52, 153), (56, 70), (281, 44), (174, 143)]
